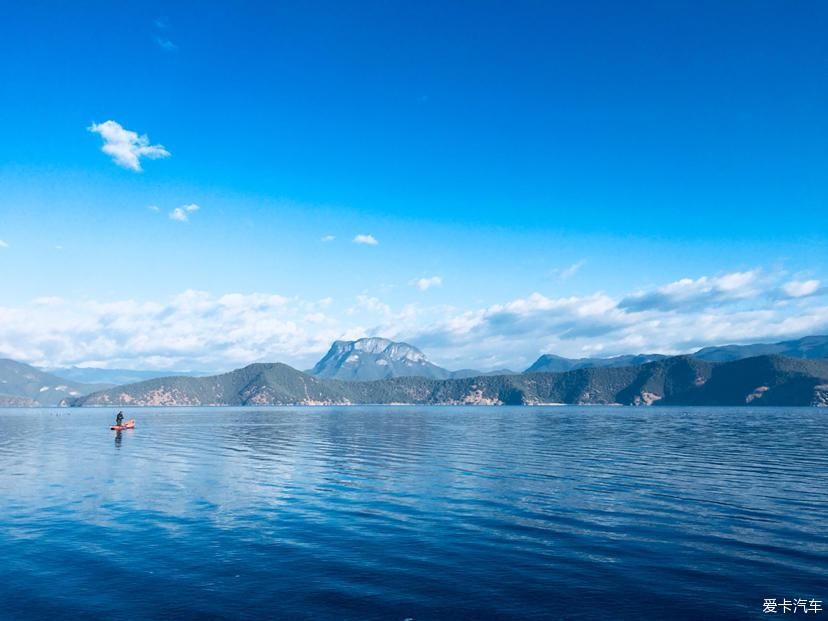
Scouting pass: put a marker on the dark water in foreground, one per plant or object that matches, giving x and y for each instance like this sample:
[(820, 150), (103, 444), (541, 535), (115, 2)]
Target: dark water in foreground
[(412, 513)]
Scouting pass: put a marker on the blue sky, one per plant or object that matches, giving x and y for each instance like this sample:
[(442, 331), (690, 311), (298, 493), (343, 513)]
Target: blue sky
[(539, 177)]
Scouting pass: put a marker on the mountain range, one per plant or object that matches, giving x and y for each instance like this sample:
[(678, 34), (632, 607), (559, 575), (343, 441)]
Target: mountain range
[(679, 380), (376, 370), (807, 347), (377, 358)]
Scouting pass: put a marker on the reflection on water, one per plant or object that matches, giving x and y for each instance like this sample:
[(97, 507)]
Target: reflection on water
[(424, 513)]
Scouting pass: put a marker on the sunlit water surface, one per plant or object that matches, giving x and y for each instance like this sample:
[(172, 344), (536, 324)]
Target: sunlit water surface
[(412, 513)]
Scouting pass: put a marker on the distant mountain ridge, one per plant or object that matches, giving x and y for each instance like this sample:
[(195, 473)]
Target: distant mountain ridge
[(806, 347), (114, 377), (550, 363), (22, 385), (679, 380)]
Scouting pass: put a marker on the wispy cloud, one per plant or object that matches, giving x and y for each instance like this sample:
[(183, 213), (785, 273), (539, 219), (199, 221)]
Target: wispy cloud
[(328, 238), (688, 292), (125, 147), (162, 24), (428, 282), (372, 304), (570, 271), (182, 214), (153, 208), (165, 43), (800, 288), (3, 244), (48, 300), (368, 240)]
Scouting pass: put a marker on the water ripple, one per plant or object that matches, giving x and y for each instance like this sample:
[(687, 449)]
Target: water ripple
[(420, 513)]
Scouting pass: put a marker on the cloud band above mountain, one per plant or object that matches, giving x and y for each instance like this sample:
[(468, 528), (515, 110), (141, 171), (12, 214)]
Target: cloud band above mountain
[(204, 331)]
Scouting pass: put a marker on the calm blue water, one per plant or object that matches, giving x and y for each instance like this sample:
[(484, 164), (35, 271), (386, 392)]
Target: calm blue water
[(412, 513)]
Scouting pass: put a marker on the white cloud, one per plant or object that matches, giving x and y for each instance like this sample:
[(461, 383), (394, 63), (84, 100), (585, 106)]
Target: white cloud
[(4, 244), (679, 317), (428, 282), (687, 292), (328, 238), (197, 330), (369, 240), (800, 288), (372, 304), (126, 147), (193, 330), (153, 208), (181, 214)]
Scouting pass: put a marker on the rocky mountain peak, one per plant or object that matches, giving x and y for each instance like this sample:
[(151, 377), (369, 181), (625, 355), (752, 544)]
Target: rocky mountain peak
[(375, 358)]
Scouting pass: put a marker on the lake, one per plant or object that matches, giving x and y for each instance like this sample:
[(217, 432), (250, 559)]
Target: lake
[(412, 513)]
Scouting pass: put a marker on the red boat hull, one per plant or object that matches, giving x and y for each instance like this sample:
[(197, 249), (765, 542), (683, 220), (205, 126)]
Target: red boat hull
[(130, 424)]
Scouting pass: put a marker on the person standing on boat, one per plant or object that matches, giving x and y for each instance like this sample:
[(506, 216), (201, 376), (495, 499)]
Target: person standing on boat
[(119, 419)]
